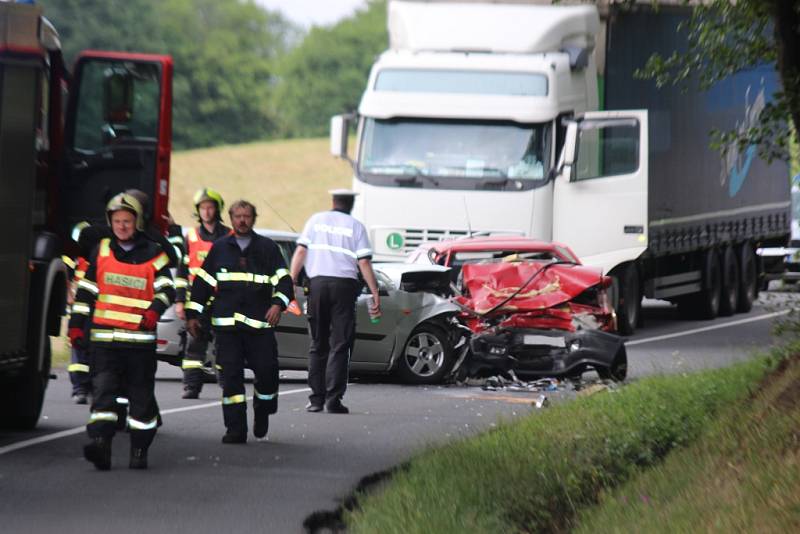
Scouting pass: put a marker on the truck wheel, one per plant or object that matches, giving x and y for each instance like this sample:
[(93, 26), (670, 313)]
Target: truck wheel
[(707, 301), (23, 398), (729, 301), (618, 369), (427, 355), (748, 279), (629, 308)]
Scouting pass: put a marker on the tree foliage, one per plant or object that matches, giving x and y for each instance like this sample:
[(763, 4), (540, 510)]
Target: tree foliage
[(327, 72), (729, 36), (224, 52)]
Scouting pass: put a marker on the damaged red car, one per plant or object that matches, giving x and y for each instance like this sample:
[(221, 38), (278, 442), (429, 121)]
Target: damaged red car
[(532, 308)]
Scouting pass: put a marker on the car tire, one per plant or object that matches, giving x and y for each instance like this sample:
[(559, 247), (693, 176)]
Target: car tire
[(618, 369), (427, 355)]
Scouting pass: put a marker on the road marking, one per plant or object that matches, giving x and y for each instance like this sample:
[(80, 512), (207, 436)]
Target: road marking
[(706, 328), (77, 430)]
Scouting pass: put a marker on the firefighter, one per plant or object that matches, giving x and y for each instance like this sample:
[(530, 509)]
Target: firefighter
[(128, 285), (79, 368), (208, 205), (248, 276)]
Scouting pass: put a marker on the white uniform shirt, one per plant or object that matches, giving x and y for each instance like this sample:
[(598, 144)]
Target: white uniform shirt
[(335, 242)]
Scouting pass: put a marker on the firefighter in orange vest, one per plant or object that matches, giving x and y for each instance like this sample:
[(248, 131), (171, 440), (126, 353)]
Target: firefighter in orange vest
[(208, 205), (128, 285), (86, 237)]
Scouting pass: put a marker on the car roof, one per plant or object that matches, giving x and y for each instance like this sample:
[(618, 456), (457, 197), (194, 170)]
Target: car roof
[(478, 244), (277, 235)]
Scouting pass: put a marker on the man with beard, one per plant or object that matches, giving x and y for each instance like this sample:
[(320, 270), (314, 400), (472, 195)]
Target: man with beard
[(251, 286)]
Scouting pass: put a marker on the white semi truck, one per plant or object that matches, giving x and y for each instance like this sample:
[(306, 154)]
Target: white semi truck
[(484, 117)]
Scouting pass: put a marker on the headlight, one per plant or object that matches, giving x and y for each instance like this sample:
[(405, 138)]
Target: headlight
[(497, 350), (574, 345)]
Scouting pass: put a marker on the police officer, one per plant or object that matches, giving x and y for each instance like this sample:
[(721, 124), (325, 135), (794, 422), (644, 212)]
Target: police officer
[(252, 287), (128, 286), (333, 247), (208, 205)]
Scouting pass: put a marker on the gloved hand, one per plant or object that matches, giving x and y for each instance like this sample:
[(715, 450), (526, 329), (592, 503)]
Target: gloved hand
[(149, 321), (76, 337)]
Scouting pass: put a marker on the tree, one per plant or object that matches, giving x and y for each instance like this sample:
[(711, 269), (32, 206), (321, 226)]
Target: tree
[(326, 73), (729, 36)]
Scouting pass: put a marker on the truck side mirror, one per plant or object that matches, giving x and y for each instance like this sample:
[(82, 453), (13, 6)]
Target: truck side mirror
[(117, 95), (340, 126)]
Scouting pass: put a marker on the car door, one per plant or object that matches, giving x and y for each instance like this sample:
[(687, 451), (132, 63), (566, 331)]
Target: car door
[(600, 193), (118, 134), (374, 341)]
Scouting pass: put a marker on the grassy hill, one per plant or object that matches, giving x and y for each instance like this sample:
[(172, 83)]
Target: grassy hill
[(287, 177)]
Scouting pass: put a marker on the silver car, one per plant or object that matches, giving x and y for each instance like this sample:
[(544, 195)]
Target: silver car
[(416, 337)]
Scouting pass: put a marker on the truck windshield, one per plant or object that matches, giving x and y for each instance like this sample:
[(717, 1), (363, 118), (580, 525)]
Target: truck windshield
[(454, 154)]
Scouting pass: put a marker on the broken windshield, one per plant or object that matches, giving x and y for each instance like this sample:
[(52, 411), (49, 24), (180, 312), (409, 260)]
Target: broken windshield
[(459, 154)]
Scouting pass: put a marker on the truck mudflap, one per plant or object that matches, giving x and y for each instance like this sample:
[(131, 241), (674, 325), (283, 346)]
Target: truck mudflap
[(536, 352)]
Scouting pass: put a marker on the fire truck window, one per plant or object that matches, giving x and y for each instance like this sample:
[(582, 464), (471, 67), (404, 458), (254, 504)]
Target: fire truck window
[(95, 127)]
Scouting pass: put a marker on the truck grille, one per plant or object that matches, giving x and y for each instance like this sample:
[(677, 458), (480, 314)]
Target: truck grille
[(415, 236)]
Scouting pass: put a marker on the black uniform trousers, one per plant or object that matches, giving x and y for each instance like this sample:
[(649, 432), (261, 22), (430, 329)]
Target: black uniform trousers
[(332, 321), (257, 350), (132, 370), (196, 350)]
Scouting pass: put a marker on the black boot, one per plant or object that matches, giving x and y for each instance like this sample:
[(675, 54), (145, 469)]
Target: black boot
[(138, 459), (190, 392), (260, 426), (234, 437), (98, 451)]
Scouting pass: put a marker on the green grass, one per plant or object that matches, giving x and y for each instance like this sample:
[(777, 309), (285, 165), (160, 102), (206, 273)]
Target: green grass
[(538, 473), (743, 475)]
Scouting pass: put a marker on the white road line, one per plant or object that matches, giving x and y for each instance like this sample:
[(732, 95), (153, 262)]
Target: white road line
[(72, 431), (705, 328)]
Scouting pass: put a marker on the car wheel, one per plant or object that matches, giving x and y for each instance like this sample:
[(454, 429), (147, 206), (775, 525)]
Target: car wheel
[(427, 355), (618, 369)]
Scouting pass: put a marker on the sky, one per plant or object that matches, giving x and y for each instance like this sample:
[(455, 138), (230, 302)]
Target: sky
[(313, 12)]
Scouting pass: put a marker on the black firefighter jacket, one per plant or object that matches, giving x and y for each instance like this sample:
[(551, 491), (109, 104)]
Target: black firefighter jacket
[(244, 284)]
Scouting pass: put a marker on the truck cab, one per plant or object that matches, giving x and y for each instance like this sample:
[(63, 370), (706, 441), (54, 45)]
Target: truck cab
[(68, 143)]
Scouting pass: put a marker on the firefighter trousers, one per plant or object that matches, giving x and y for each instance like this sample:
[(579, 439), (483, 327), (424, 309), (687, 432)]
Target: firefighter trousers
[(132, 370), (79, 371), (193, 360), (332, 322), (257, 350)]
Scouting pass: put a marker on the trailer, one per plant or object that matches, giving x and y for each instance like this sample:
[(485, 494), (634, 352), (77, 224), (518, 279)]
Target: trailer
[(523, 118)]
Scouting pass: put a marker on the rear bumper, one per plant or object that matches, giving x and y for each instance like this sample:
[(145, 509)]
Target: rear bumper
[(541, 352)]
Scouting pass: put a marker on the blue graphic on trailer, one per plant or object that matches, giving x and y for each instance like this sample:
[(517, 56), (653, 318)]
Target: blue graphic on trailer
[(739, 174)]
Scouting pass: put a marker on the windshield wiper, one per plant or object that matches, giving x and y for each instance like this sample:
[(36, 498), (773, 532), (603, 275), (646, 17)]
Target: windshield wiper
[(416, 179), (500, 179)]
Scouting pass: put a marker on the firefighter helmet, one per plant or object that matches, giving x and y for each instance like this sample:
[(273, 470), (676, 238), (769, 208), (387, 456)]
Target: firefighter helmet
[(125, 201), (205, 194)]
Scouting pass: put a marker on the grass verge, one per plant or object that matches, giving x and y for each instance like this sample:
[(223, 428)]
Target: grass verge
[(742, 475), (536, 474)]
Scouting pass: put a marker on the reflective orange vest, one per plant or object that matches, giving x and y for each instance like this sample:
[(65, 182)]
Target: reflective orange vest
[(125, 290), (197, 250)]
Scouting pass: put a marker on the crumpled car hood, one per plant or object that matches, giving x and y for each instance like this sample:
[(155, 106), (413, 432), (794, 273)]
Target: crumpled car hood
[(489, 284)]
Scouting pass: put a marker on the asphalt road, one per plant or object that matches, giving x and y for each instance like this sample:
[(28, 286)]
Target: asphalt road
[(195, 484)]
